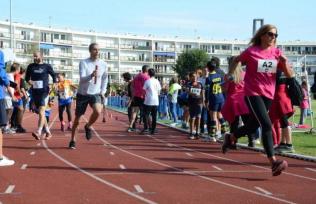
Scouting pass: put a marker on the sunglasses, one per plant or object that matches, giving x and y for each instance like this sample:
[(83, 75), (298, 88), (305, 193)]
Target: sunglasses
[(270, 34)]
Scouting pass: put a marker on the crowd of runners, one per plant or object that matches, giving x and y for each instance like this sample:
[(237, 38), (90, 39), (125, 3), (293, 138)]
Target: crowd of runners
[(251, 99)]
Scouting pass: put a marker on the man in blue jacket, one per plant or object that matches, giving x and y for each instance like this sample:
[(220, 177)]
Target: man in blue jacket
[(4, 82)]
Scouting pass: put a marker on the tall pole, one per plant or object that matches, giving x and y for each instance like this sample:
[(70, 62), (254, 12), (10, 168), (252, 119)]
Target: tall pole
[(11, 30)]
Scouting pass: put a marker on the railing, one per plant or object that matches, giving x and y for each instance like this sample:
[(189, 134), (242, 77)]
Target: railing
[(121, 103)]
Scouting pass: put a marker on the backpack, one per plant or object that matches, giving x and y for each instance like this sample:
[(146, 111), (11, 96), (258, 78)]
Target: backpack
[(295, 91)]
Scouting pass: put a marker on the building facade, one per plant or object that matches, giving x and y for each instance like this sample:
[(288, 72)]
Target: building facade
[(64, 48)]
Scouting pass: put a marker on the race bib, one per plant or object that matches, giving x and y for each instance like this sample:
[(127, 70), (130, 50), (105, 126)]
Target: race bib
[(63, 95), (267, 66), (37, 84), (196, 91)]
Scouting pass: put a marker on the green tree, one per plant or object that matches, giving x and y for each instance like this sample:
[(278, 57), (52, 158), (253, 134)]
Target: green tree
[(189, 61)]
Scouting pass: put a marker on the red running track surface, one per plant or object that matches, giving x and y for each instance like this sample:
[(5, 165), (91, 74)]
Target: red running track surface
[(120, 167)]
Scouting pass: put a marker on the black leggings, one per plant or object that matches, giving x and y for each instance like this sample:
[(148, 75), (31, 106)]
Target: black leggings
[(61, 109), (284, 122), (234, 125), (258, 107), (150, 110)]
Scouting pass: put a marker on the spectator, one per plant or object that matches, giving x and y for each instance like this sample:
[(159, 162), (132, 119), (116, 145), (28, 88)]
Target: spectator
[(152, 88), (4, 82)]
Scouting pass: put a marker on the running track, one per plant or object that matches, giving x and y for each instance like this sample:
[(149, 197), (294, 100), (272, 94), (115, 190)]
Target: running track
[(120, 167)]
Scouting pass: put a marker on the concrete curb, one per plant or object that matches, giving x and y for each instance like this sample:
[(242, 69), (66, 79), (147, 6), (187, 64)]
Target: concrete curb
[(243, 146)]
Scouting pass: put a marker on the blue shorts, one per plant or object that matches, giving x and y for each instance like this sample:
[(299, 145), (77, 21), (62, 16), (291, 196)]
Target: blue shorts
[(216, 107), (17, 103)]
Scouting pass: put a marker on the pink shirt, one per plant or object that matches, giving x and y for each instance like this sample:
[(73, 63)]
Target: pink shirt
[(138, 84), (304, 103), (261, 66)]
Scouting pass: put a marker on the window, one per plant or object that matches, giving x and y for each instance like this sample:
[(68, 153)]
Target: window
[(63, 62), (63, 37), (56, 36)]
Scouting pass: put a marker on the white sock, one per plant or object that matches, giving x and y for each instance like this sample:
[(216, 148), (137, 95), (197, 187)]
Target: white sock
[(47, 129), (39, 130)]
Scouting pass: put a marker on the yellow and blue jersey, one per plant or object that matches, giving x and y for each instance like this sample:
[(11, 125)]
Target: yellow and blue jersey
[(213, 88)]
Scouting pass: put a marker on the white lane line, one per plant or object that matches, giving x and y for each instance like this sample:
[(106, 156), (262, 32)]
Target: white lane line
[(170, 145), (217, 168), (9, 189), (263, 190), (122, 166), (23, 167), (112, 153), (234, 161), (112, 185), (32, 153), (138, 189), (191, 173), (190, 155), (178, 172), (310, 169)]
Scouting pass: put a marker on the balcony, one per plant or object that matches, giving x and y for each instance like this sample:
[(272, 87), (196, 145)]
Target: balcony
[(108, 46), (135, 47), (58, 54), (4, 35)]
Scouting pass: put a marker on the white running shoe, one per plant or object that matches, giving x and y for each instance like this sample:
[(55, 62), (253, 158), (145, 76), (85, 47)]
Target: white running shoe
[(6, 162)]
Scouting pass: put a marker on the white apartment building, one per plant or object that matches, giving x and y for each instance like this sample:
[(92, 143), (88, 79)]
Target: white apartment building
[(64, 48)]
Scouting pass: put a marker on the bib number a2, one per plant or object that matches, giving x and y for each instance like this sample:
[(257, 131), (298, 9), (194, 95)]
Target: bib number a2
[(267, 66)]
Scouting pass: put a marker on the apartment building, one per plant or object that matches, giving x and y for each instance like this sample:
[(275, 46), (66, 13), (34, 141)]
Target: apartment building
[(64, 48)]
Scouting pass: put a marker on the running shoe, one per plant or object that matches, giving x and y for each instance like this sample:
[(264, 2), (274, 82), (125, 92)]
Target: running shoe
[(48, 136), (227, 143), (130, 129), (72, 145), (103, 120), (278, 166), (4, 161), (69, 126), (62, 126), (193, 137), (36, 135), (88, 132), (20, 129), (287, 149), (144, 131)]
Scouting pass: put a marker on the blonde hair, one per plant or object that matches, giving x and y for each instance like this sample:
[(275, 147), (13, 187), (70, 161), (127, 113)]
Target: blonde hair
[(235, 70), (256, 39)]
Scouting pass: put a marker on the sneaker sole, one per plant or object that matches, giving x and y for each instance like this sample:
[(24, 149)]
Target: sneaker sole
[(35, 136), (281, 167)]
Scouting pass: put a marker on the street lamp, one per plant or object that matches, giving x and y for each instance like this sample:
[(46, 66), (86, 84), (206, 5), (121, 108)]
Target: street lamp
[(11, 34)]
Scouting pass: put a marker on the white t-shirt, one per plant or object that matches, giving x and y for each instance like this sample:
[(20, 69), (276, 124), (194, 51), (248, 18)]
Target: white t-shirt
[(88, 85), (152, 88), (6, 94)]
